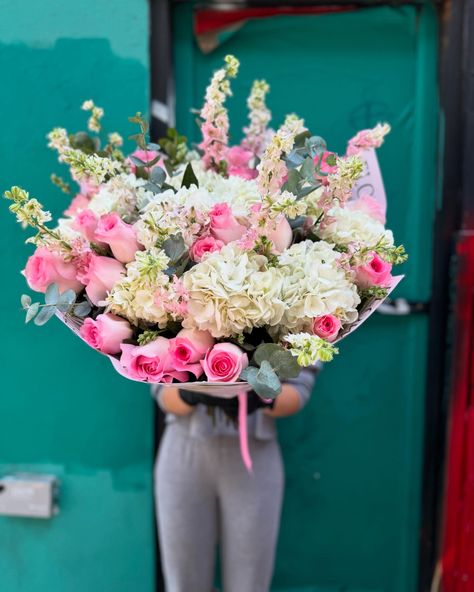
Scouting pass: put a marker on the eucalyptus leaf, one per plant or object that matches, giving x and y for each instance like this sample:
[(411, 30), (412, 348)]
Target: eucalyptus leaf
[(280, 359), (52, 294), (153, 146), (294, 159), (31, 312), (44, 315), (137, 161), (174, 247), (301, 138), (82, 309), (157, 176), (189, 177), (265, 352), (263, 380), (25, 301), (66, 300), (315, 146), (307, 170), (293, 181)]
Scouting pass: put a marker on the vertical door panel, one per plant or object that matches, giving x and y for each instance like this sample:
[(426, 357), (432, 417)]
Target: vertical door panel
[(63, 410), (353, 457)]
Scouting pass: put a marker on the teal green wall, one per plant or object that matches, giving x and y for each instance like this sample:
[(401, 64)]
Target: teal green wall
[(63, 410), (353, 457)]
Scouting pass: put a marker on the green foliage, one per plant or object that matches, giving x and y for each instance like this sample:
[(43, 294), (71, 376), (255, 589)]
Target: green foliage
[(54, 302), (61, 183), (147, 337), (189, 177), (263, 380), (85, 143), (139, 138), (175, 147), (280, 359)]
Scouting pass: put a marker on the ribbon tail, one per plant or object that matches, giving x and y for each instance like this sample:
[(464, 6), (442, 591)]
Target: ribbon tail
[(243, 436)]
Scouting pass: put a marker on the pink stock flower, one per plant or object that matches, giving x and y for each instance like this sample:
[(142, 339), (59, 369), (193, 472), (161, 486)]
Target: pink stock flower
[(150, 362), (203, 245), (327, 327), (99, 274), (214, 143), (120, 236), (87, 185), (370, 206), (281, 234), (85, 222), (45, 267), (376, 272), (238, 163), (78, 203), (146, 156), (106, 332), (224, 362), (224, 226), (188, 348)]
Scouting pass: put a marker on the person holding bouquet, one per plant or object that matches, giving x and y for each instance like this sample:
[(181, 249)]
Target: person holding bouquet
[(205, 496)]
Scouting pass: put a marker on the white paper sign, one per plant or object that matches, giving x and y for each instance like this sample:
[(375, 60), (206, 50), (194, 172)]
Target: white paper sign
[(371, 182)]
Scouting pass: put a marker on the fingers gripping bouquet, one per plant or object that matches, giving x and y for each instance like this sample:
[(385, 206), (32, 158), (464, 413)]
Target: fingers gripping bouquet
[(231, 266)]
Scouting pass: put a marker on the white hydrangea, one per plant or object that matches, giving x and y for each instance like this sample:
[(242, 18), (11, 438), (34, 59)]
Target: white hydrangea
[(314, 284), (122, 194), (232, 291), (239, 193), (354, 226)]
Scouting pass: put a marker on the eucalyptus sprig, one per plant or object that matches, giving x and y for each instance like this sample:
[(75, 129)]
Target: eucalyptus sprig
[(54, 302)]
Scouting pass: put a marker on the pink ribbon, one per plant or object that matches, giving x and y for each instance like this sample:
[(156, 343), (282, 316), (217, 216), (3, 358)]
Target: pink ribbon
[(243, 436)]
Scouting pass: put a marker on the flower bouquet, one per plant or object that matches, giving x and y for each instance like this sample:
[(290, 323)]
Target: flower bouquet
[(224, 268)]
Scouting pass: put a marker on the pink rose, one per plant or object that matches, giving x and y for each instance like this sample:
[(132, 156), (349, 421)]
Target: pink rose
[(106, 332), (79, 202), (120, 236), (150, 362), (100, 275), (45, 267), (281, 235), (224, 226), (376, 272), (238, 163), (85, 222), (205, 244), (188, 348), (370, 206), (224, 362), (146, 156), (327, 327)]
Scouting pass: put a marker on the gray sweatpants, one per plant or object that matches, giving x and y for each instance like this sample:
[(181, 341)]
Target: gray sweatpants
[(205, 496)]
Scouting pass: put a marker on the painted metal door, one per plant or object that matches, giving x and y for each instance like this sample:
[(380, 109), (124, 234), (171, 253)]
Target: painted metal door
[(353, 457), (63, 410)]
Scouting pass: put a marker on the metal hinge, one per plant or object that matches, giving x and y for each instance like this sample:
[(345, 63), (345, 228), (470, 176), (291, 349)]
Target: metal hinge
[(403, 307)]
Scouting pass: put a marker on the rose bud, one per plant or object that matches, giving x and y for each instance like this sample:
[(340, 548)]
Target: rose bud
[(100, 276), (106, 332), (224, 225), (376, 272), (120, 236), (203, 245), (188, 348), (326, 326)]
